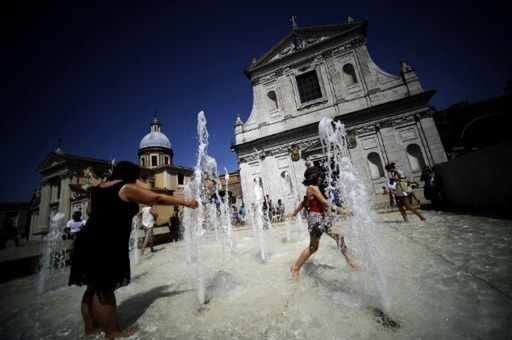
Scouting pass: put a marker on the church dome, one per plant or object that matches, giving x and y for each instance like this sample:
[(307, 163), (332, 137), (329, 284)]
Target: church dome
[(155, 139)]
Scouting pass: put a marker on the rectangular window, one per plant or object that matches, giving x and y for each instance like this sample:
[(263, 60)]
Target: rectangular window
[(154, 160), (309, 88), (181, 179)]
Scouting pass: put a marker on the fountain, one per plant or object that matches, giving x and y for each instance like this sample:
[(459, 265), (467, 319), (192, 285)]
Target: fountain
[(211, 215), (343, 177), (136, 240), (259, 220), (54, 257), (292, 224), (226, 223)]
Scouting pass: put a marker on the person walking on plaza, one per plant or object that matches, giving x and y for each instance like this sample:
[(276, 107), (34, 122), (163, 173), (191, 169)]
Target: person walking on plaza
[(100, 257), (149, 215), (242, 212), (74, 225), (317, 224), (402, 201), (391, 189), (280, 211), (174, 227), (432, 186)]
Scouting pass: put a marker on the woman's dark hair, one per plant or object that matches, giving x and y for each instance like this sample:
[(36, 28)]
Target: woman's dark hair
[(126, 171), (311, 175)]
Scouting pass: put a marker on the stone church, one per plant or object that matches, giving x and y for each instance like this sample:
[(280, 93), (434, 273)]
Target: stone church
[(327, 71), (66, 180)]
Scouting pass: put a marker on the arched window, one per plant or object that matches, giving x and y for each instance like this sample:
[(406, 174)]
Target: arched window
[(375, 165), (349, 73), (142, 161), (272, 100), (415, 157)]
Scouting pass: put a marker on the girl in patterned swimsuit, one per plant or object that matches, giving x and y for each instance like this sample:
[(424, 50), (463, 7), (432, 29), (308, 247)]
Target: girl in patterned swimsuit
[(317, 224)]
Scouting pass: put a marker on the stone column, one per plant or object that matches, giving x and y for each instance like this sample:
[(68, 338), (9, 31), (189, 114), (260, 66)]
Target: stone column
[(44, 207), (428, 129), (65, 196), (246, 183), (392, 150), (360, 164)]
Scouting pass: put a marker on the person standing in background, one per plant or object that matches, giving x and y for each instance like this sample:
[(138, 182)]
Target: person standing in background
[(149, 215)]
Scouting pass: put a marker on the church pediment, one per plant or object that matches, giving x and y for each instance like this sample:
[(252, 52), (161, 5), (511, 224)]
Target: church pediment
[(51, 161), (300, 39)]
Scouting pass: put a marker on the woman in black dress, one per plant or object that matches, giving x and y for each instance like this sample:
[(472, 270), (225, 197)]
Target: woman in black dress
[(100, 255)]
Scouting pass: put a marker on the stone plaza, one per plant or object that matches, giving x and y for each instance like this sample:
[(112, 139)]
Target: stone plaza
[(446, 279)]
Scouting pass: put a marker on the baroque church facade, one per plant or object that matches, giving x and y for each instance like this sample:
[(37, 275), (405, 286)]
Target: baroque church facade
[(67, 179), (327, 71)]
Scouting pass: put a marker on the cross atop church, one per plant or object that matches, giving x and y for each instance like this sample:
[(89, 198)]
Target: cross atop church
[(294, 23)]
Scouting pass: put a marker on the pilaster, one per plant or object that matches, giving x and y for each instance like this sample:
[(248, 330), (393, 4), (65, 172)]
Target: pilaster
[(44, 206)]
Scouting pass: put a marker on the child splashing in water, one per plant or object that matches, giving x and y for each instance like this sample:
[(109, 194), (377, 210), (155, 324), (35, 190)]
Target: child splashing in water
[(317, 223)]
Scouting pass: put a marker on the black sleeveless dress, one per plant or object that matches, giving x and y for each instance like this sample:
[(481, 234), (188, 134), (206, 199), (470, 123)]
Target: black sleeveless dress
[(100, 257)]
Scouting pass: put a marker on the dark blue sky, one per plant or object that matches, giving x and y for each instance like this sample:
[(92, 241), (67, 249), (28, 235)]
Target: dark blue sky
[(92, 73)]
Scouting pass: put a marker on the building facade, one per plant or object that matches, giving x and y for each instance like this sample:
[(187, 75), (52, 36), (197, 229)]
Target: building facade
[(327, 71), (159, 173)]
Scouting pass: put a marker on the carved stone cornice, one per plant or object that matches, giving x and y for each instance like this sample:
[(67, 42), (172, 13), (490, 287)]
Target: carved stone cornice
[(277, 150), (357, 42), (423, 114), (410, 118), (363, 129), (388, 123), (67, 175)]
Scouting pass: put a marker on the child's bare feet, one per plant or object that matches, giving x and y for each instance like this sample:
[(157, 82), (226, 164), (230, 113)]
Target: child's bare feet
[(295, 273)]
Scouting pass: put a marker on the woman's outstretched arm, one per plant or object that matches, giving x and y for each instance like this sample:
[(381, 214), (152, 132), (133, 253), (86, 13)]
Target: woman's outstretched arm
[(137, 194)]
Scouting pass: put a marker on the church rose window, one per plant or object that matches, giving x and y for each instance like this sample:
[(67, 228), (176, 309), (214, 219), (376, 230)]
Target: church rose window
[(309, 88)]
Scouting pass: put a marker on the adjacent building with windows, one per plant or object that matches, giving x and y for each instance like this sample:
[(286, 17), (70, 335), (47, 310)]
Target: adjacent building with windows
[(327, 71)]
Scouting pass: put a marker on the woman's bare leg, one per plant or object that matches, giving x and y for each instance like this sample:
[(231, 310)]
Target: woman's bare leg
[(105, 312), (400, 205), (340, 242), (304, 256), (414, 210), (90, 325)]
